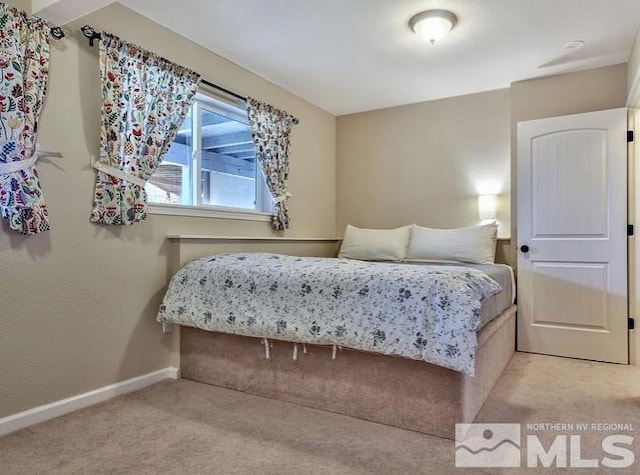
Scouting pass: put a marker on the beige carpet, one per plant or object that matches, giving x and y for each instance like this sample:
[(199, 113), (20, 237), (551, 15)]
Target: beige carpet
[(187, 427)]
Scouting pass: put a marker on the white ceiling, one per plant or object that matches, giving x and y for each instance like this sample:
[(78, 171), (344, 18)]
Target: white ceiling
[(354, 55)]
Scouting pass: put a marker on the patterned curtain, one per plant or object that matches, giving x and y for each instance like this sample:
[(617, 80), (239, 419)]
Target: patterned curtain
[(271, 131), (24, 71), (145, 98)]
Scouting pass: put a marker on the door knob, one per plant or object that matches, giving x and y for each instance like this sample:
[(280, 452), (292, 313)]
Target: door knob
[(524, 248)]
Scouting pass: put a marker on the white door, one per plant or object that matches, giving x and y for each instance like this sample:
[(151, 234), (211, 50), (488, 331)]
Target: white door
[(572, 236)]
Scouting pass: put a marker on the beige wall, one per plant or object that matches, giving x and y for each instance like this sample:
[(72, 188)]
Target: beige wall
[(424, 163), (633, 72), (21, 4), (78, 302)]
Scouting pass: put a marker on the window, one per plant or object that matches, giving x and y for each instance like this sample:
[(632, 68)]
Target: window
[(211, 163)]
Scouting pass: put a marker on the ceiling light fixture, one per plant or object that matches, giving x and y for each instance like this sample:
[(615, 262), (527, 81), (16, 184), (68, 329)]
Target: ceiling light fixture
[(433, 25), (575, 44)]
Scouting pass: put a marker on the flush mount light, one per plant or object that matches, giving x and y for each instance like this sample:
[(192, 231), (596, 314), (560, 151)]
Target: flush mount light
[(432, 25), (575, 44)]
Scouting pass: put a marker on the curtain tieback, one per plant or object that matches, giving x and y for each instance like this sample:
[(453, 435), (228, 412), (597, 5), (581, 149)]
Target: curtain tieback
[(119, 174), (11, 167), (283, 197)]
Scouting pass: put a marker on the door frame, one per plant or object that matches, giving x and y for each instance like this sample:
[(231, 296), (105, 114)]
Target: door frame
[(633, 252), (633, 206)]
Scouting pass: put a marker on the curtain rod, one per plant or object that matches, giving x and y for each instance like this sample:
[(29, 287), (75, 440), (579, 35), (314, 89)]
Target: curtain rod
[(295, 120), (90, 33), (57, 33), (220, 88)]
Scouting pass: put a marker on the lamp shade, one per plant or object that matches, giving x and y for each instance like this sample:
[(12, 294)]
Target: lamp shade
[(433, 25), (487, 207)]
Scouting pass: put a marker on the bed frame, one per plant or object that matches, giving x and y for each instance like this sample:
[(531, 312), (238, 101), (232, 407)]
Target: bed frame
[(404, 393)]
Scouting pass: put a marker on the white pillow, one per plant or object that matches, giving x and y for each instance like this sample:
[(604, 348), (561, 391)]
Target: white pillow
[(475, 244), (375, 244)]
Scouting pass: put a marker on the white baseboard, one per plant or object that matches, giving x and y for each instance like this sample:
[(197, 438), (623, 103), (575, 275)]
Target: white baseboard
[(55, 409)]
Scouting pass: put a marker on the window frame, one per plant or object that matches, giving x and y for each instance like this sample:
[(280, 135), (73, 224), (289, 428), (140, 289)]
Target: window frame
[(228, 107)]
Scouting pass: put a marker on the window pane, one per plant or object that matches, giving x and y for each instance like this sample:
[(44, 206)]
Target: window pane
[(228, 168), (264, 200), (223, 172), (171, 182)]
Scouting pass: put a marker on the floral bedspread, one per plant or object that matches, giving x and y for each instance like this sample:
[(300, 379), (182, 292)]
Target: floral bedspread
[(428, 313)]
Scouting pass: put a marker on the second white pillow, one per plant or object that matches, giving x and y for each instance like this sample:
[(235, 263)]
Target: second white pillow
[(474, 244)]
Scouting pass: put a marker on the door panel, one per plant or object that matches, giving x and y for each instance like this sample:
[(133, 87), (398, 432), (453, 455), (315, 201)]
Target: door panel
[(582, 286), (572, 282), (568, 177)]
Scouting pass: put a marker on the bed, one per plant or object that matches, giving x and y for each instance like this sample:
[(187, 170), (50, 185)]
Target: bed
[(435, 378)]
